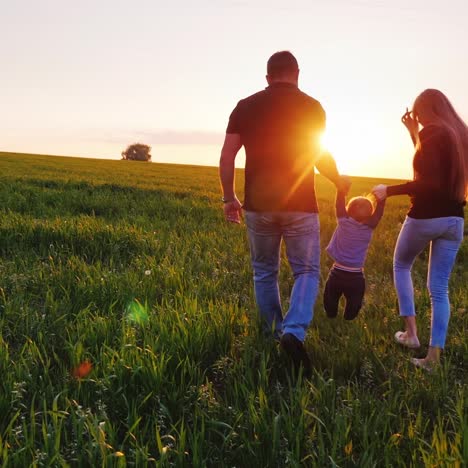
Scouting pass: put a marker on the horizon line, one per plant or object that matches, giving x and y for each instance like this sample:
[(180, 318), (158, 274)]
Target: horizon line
[(12, 153)]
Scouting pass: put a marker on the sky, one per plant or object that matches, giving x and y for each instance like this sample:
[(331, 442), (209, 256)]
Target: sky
[(88, 78)]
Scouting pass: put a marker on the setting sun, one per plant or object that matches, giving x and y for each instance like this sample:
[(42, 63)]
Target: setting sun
[(356, 146), (209, 216)]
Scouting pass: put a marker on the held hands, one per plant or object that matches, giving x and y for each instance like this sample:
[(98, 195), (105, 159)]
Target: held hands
[(343, 184), (380, 192), (233, 210), (410, 122)]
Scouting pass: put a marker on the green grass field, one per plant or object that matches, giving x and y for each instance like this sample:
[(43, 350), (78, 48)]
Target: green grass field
[(130, 266)]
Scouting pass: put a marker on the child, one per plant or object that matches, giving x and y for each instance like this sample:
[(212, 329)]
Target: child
[(348, 248)]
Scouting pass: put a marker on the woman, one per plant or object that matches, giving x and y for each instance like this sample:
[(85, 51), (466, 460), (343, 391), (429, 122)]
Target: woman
[(438, 194)]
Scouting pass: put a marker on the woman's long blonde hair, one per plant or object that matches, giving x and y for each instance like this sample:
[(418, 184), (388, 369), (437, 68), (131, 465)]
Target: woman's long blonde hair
[(435, 107)]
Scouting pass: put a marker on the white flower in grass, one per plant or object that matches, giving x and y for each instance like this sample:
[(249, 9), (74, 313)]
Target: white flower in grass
[(147, 272)]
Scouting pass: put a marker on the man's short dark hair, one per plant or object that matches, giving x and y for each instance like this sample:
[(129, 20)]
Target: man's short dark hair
[(282, 63)]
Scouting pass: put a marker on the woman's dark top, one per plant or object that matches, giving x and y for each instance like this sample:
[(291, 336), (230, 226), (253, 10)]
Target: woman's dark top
[(430, 189)]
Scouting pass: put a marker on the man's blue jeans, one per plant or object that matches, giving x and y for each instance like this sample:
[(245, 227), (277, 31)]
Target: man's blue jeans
[(301, 234), (444, 236)]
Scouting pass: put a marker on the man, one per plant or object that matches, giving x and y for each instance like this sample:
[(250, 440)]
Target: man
[(280, 128)]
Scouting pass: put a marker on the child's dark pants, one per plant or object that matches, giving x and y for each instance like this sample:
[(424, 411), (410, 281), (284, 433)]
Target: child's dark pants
[(349, 283)]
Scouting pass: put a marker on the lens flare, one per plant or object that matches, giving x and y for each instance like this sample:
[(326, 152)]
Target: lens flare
[(137, 312), (82, 370)]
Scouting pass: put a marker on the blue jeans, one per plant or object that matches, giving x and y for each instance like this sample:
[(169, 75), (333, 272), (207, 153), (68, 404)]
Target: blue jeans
[(301, 234), (444, 236)]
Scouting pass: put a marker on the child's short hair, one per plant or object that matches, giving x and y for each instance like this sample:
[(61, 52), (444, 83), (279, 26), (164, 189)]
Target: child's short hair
[(360, 208)]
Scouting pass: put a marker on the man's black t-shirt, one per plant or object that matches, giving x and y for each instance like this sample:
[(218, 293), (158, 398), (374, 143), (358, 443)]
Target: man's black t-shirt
[(280, 128)]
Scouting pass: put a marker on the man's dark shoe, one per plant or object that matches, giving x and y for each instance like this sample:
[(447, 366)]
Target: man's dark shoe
[(295, 350)]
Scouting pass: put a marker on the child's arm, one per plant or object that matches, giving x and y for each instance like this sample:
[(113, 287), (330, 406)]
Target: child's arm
[(377, 215), (340, 205)]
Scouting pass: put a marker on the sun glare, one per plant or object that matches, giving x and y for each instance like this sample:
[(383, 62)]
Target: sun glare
[(354, 151)]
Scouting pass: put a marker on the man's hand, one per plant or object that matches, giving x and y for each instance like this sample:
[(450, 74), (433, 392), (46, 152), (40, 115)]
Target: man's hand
[(327, 167), (233, 210), (343, 184), (380, 192), (232, 144)]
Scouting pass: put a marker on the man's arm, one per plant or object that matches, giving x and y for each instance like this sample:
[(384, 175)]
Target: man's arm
[(232, 206), (326, 165)]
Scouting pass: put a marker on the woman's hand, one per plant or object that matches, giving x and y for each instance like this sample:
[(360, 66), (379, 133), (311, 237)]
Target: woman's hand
[(380, 192), (411, 124)]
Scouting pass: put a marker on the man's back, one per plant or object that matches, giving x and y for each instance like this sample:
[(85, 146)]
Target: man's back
[(280, 128)]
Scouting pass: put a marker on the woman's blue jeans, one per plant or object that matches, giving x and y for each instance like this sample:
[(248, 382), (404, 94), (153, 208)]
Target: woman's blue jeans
[(444, 236), (301, 234)]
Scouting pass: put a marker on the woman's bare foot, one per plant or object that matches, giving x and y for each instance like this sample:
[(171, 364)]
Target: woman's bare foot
[(431, 361), (428, 366)]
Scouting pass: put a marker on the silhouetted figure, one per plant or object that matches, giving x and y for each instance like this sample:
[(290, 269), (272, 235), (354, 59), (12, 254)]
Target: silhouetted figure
[(436, 217), (348, 248), (280, 128)]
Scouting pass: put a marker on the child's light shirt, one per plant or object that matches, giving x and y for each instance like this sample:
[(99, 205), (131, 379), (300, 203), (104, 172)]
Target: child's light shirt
[(350, 241)]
